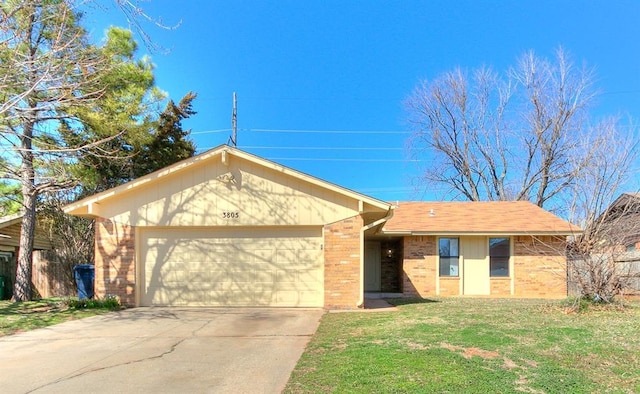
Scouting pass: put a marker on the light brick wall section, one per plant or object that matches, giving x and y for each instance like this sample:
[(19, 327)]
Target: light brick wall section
[(419, 266), (540, 267), (115, 261), (500, 287), (342, 263), (449, 286)]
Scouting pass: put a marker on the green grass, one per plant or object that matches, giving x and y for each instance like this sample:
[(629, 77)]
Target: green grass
[(474, 346), (25, 316)]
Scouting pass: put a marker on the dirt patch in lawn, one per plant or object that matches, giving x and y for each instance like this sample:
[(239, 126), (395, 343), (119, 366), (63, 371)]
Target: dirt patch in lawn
[(469, 352)]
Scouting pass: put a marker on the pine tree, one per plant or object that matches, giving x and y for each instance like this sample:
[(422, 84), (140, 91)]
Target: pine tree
[(62, 99), (170, 143)]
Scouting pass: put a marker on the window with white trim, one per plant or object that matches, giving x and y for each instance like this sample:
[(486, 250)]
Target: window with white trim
[(448, 250), (499, 254)]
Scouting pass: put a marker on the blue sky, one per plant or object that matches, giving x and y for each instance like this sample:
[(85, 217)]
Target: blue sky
[(320, 84)]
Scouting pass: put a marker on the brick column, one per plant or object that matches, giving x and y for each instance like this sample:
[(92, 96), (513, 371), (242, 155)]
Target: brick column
[(342, 248), (419, 266), (115, 261)]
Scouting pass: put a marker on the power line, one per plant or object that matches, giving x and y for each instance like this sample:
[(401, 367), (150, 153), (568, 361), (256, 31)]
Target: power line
[(317, 148), (368, 160), (330, 131), (357, 132), (385, 189), (210, 131), (350, 160), (294, 131)]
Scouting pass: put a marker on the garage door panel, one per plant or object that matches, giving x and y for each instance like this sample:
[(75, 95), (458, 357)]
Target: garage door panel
[(161, 296), (236, 267), (244, 287), (305, 297), (240, 297), (240, 256), (197, 277), (285, 277), (265, 277), (263, 298), (263, 255), (286, 298), (241, 276), (286, 256), (219, 276), (177, 276), (305, 255), (312, 277), (269, 287)]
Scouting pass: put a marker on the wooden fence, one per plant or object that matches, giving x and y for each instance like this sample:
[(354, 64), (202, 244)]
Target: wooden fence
[(50, 277), (627, 268)]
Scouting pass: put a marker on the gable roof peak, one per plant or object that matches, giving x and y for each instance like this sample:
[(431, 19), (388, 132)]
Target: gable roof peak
[(221, 152)]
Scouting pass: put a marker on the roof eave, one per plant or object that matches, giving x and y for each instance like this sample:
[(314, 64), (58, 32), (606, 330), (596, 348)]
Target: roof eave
[(478, 233), (10, 220)]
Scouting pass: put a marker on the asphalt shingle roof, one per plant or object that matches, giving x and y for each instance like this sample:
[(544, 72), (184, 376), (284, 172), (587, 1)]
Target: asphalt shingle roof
[(486, 217)]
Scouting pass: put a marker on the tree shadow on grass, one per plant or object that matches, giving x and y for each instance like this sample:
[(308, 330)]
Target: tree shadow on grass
[(410, 301), (22, 308)]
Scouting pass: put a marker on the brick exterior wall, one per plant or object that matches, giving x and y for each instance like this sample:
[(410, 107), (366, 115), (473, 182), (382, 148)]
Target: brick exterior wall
[(500, 287), (419, 266), (539, 270), (449, 287), (342, 263), (115, 261)]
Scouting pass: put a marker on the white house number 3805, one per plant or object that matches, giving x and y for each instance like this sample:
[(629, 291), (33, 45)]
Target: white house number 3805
[(230, 215)]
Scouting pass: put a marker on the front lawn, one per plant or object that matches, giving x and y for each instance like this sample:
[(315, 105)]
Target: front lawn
[(474, 346), (24, 316)]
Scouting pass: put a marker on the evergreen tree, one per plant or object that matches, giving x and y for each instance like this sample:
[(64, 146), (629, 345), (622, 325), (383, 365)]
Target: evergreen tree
[(61, 100), (123, 117), (170, 143), (9, 198)]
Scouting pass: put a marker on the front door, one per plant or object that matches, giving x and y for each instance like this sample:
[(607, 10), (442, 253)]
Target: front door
[(372, 266), (475, 279)]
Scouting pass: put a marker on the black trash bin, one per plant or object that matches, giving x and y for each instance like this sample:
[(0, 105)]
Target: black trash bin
[(84, 275)]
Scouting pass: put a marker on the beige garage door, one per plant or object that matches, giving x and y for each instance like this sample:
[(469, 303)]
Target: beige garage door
[(237, 267)]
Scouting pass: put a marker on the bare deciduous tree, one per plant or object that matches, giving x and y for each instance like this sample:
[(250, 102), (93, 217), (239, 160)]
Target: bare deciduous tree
[(516, 137), (528, 135), (73, 237), (47, 68), (604, 261)]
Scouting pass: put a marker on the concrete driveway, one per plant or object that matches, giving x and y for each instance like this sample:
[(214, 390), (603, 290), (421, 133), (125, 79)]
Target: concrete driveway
[(160, 350)]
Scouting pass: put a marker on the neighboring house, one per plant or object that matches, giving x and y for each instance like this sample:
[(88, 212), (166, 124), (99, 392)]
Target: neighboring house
[(629, 261), (614, 253), (47, 277), (624, 216), (227, 228)]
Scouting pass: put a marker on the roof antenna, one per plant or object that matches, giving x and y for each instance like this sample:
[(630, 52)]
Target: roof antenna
[(234, 122)]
